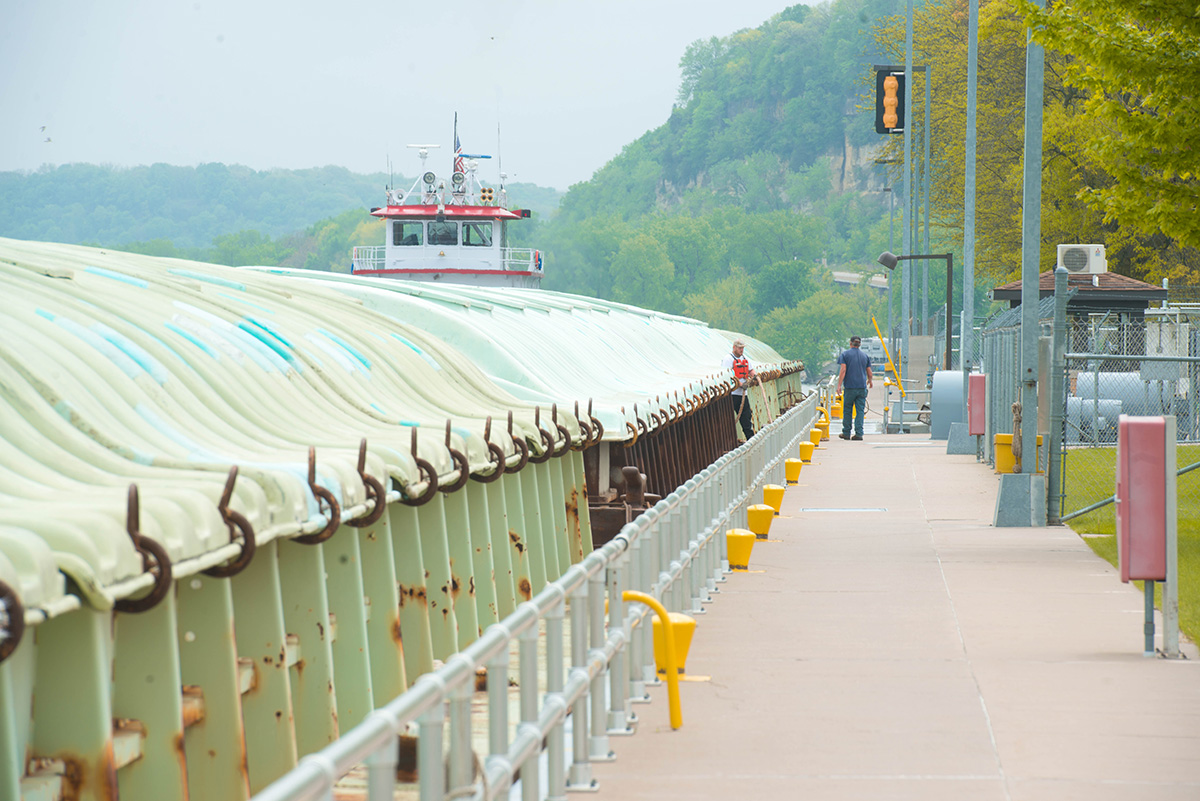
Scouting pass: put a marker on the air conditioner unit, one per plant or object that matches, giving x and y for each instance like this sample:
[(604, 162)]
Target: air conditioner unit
[(1082, 259)]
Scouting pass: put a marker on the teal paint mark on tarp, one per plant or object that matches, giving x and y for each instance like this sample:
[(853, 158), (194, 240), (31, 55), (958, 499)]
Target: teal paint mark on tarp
[(195, 340), (134, 351), (271, 330), (429, 359), (116, 276), (269, 341), (346, 346), (208, 279), (114, 354), (246, 302)]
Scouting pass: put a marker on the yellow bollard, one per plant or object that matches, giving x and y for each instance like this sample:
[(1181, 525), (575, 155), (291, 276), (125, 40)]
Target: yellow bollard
[(739, 543), (759, 517), (815, 437), (1005, 461), (791, 469), (673, 668), (806, 451), (836, 413), (682, 629), (773, 496), (824, 429)]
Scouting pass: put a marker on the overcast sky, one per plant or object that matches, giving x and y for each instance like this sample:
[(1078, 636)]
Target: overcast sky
[(308, 83)]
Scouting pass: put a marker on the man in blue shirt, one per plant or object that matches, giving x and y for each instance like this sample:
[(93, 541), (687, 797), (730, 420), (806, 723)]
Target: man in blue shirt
[(855, 373)]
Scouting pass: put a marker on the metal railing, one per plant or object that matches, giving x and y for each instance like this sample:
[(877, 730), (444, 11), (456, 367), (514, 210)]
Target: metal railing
[(522, 259), (675, 552), (368, 257), (373, 257)]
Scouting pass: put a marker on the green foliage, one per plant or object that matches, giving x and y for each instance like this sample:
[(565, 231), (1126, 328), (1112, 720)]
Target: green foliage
[(189, 206), (1099, 180), (734, 210), (1136, 62)]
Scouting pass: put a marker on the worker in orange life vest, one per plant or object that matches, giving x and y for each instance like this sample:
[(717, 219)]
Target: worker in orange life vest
[(746, 377)]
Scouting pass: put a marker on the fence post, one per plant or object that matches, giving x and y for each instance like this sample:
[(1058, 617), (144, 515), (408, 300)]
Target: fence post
[(1058, 380)]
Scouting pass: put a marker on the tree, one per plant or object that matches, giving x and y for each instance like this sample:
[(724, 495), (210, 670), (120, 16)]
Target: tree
[(642, 274), (1138, 62), (1075, 170), (812, 330), (724, 304)]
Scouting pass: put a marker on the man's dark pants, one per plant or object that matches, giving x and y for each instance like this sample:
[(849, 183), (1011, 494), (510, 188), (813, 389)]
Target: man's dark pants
[(854, 401), (744, 416)]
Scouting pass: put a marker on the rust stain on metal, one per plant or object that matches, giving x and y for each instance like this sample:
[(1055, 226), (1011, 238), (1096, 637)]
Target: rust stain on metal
[(193, 712), (455, 586), (81, 780), (299, 667), (397, 635), (516, 541), (471, 587), (243, 760), (573, 521), (321, 629), (181, 755), (406, 759), (525, 588)]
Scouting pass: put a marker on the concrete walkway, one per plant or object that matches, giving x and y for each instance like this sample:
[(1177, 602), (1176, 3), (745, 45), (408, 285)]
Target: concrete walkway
[(892, 644)]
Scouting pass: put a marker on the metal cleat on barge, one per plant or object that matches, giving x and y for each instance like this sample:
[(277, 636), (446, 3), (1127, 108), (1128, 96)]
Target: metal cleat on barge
[(450, 230)]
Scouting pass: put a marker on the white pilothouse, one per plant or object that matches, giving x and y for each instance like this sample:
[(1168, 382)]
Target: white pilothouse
[(455, 233)]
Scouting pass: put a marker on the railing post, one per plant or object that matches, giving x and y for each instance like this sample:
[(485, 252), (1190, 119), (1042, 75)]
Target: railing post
[(637, 581), (598, 750), (430, 770), (579, 777), (461, 768), (381, 771), (556, 782), (497, 690), (721, 503), (527, 672), (618, 722), (645, 635)]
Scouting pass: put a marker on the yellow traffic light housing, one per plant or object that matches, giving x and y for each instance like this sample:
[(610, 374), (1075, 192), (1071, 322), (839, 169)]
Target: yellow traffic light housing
[(889, 102)]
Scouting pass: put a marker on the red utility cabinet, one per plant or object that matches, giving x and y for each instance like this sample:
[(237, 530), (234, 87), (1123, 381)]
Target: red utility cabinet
[(1142, 498)]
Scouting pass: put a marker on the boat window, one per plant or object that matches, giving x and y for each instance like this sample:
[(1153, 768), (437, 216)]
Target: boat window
[(443, 233), (406, 233), (477, 234)]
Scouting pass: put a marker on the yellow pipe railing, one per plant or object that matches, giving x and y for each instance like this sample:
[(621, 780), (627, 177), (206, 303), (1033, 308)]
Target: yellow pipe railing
[(669, 645), (887, 353)]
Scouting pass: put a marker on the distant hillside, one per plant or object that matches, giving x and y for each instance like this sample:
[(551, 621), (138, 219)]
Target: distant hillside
[(191, 207), (761, 181)]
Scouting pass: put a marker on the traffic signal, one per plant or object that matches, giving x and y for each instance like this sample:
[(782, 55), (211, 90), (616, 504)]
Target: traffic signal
[(889, 102)]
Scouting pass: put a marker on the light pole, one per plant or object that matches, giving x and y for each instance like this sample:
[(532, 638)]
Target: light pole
[(891, 236), (890, 260)]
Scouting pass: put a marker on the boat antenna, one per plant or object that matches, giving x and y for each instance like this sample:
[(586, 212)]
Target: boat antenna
[(423, 152), (499, 155)]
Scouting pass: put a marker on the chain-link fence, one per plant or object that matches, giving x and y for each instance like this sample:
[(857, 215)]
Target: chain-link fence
[(1120, 364), (1000, 358)]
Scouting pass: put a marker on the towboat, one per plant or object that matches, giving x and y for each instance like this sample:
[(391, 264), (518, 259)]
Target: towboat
[(450, 230)]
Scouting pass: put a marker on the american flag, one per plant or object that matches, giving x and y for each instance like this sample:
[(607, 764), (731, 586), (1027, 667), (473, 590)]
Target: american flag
[(458, 154)]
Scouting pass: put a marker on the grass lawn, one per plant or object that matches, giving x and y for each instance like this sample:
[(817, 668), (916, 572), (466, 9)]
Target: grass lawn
[(1090, 475)]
